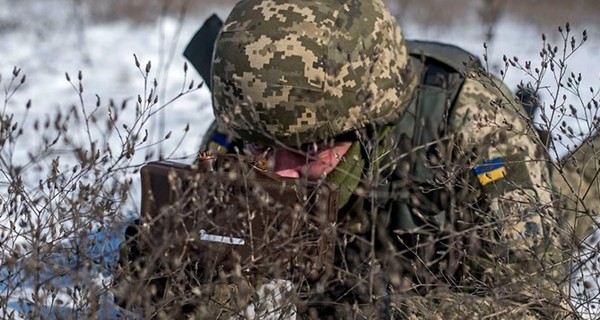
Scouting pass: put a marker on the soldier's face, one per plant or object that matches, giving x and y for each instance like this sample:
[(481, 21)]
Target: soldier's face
[(313, 163)]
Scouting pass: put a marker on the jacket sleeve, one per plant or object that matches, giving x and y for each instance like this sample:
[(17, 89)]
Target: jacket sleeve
[(511, 167)]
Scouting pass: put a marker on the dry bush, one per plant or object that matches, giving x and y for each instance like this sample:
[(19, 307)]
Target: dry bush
[(458, 268), (572, 114), (82, 183), (65, 186)]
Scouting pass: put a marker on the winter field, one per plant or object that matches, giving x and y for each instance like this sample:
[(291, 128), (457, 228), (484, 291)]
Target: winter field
[(63, 71)]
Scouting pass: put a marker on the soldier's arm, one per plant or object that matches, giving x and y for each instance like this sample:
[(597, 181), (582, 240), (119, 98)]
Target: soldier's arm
[(511, 168), (577, 184)]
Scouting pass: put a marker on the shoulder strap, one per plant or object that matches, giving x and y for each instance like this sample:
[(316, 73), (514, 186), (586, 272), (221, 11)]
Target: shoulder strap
[(443, 70), (450, 55)]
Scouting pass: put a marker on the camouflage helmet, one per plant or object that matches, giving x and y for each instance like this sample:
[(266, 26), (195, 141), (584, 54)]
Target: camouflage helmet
[(298, 71)]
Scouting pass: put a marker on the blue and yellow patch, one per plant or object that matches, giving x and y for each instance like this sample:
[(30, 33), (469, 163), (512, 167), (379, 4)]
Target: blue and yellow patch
[(219, 143), (490, 171)]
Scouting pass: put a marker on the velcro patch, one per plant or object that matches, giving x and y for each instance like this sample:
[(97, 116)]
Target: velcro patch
[(219, 143), (490, 171), (501, 175)]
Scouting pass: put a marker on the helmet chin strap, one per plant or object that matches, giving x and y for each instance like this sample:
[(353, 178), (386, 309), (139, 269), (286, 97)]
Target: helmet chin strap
[(348, 173)]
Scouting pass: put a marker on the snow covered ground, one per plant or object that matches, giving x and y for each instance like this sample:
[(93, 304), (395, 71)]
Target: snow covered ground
[(47, 43)]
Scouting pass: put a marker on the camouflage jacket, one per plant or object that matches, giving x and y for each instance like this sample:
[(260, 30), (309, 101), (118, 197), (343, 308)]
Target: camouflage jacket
[(457, 196)]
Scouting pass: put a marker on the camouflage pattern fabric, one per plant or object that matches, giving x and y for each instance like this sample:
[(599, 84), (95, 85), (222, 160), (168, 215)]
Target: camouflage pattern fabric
[(524, 217), (522, 200), (576, 181), (522, 265), (299, 71), (293, 72), (453, 306), (498, 254)]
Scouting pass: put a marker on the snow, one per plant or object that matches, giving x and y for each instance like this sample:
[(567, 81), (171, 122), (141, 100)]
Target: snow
[(49, 43)]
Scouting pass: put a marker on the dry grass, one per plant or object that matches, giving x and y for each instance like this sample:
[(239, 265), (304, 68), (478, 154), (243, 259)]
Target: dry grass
[(98, 186)]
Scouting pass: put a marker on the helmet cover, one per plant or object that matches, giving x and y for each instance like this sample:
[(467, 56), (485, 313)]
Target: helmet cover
[(297, 71)]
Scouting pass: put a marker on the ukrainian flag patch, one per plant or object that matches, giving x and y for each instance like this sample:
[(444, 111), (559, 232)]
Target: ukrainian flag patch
[(219, 143), (490, 171)]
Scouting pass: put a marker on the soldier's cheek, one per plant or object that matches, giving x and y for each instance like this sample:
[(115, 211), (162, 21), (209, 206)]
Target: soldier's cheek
[(294, 164), (316, 170), (325, 161)]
